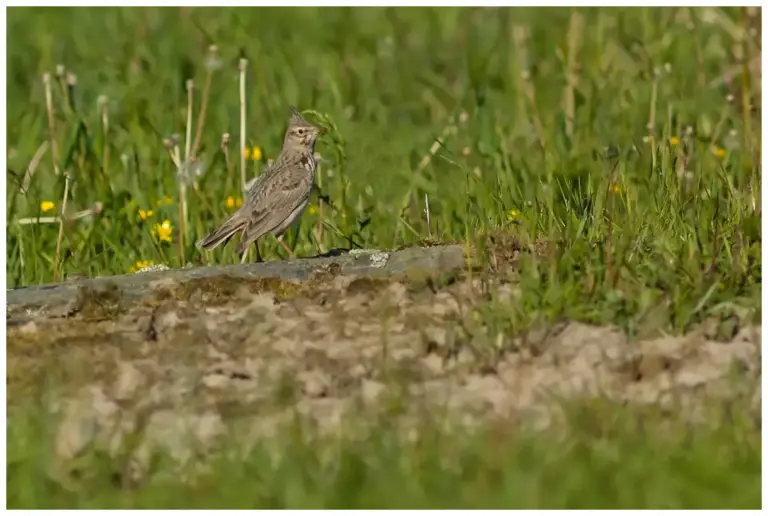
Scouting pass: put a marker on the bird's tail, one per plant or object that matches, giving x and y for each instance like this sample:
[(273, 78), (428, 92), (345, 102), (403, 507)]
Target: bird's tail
[(222, 235)]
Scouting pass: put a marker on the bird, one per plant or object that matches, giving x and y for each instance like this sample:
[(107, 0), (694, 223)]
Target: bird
[(278, 197)]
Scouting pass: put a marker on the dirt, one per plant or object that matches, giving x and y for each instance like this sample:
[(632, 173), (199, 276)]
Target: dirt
[(198, 358)]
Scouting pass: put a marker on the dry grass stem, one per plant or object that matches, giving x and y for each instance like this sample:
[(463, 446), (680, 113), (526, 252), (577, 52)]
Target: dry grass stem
[(34, 162), (449, 129), (103, 107), (243, 66), (190, 108), (213, 54), (94, 210), (51, 121), (57, 256), (225, 139)]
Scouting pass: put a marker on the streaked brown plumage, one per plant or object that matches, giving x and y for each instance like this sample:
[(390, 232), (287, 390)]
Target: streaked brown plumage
[(279, 196)]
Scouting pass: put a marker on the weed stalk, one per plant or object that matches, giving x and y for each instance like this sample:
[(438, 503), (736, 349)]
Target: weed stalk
[(51, 121), (59, 238)]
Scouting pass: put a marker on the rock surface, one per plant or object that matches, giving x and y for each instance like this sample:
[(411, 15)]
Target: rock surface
[(368, 262)]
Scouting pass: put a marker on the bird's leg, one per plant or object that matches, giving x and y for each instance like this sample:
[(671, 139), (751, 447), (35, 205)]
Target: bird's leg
[(285, 246), (258, 254)]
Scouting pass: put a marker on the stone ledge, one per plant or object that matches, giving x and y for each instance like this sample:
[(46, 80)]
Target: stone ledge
[(366, 262)]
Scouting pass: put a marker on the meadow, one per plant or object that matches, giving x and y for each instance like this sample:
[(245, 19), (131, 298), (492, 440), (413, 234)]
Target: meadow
[(621, 146)]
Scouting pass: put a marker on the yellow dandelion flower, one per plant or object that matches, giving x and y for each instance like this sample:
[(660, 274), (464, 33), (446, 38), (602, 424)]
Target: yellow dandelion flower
[(615, 188), (512, 214), (247, 153), (233, 202), (253, 153), (311, 210), (141, 264), (47, 206), (674, 140), (145, 214), (163, 231), (718, 152), (168, 200)]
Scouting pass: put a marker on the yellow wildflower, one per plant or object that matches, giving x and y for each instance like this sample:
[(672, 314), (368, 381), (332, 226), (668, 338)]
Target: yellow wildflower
[(141, 264), (253, 153), (615, 188), (145, 214), (674, 140), (311, 210), (47, 206), (163, 231), (164, 200), (512, 214), (234, 201), (718, 152)]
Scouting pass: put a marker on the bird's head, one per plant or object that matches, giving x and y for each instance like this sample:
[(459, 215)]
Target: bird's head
[(300, 133)]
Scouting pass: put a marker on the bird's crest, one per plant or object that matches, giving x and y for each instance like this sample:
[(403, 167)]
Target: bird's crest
[(297, 118)]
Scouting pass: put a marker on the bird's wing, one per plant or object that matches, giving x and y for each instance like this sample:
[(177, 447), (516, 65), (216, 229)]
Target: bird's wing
[(254, 181), (277, 197)]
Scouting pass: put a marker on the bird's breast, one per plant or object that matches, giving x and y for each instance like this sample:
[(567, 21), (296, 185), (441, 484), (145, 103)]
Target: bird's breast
[(307, 162)]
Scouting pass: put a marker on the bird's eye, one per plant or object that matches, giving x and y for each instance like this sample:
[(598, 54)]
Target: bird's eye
[(300, 132)]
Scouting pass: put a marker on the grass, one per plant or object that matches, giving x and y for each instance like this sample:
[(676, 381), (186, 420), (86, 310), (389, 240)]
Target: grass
[(624, 144), (609, 457)]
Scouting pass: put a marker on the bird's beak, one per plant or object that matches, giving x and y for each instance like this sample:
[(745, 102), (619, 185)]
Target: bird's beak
[(321, 131)]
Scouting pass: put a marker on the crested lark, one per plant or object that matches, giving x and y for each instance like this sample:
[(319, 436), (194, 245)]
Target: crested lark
[(279, 196)]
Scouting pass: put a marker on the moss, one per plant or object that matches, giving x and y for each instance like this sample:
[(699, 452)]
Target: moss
[(423, 242), (418, 280), (217, 290), (367, 284), (104, 302)]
